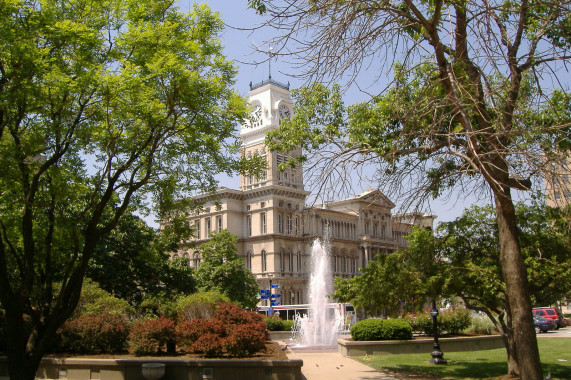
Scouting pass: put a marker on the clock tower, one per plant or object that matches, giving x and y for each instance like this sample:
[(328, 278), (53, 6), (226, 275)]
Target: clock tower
[(271, 104)]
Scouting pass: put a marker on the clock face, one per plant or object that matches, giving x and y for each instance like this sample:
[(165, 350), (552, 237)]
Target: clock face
[(284, 111), (257, 113)]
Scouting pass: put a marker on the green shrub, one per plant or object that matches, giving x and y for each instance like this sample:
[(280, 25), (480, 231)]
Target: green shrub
[(381, 329), (159, 305), (452, 321), (276, 324), (421, 323), (199, 305), (96, 301), (481, 324), (456, 321)]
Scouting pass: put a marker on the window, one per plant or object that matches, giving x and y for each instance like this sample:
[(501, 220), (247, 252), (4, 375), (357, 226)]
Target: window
[(264, 261), (262, 204), (568, 194), (288, 224), (207, 227), (197, 229), (281, 261), (280, 224), (248, 225), (298, 261), (366, 228), (196, 260), (290, 261), (249, 260), (263, 223), (557, 195), (218, 223)]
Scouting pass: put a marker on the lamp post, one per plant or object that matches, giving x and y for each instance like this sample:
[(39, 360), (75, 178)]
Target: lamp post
[(270, 276), (436, 353)]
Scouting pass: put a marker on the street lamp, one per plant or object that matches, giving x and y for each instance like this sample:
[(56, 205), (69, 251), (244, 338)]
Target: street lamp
[(436, 353), (270, 276)]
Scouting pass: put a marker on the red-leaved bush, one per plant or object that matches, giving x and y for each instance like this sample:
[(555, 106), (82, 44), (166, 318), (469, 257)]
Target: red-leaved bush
[(93, 334), (151, 336), (230, 331)]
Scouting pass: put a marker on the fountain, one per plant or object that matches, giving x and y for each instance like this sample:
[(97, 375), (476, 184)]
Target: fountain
[(321, 326)]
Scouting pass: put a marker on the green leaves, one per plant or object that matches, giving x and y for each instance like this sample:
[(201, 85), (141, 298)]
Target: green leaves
[(104, 107), (222, 270)]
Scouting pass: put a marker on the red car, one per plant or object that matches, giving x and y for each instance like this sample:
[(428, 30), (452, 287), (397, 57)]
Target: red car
[(552, 313)]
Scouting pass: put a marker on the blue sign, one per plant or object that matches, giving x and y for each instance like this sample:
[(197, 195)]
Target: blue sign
[(265, 291), (276, 295), (433, 313), (274, 303), (264, 297), (275, 286)]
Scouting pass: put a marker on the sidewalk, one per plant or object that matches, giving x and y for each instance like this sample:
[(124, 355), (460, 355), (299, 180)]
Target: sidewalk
[(328, 364)]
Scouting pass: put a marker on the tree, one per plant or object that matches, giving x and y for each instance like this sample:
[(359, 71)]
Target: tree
[(222, 270), (398, 282), (468, 105), (104, 107), (133, 260), (469, 265)]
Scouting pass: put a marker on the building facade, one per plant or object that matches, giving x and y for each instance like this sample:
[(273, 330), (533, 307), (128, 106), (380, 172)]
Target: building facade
[(274, 226), (558, 184)]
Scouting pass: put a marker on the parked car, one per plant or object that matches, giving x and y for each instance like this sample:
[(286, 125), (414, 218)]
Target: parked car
[(552, 313), (543, 324)]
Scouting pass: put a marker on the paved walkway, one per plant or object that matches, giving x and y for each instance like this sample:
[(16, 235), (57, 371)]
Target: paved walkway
[(328, 364)]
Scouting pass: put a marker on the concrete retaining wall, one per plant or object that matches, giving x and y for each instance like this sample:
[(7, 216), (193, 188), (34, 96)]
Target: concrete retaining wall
[(176, 369), (473, 343)]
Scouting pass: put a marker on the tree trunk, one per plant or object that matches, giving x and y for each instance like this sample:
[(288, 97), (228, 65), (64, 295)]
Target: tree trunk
[(504, 326), (21, 364), (520, 329)]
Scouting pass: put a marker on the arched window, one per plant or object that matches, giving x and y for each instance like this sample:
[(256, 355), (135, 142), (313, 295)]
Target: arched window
[(196, 260), (249, 260)]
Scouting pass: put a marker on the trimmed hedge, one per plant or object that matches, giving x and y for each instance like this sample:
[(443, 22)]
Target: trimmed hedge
[(276, 324), (381, 329)]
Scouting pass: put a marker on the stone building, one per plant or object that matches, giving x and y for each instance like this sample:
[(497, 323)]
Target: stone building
[(276, 229), (558, 185)]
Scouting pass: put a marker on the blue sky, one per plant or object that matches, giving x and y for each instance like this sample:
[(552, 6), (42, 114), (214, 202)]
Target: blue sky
[(240, 45)]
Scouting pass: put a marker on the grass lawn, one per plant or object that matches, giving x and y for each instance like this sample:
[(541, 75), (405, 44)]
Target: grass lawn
[(555, 358)]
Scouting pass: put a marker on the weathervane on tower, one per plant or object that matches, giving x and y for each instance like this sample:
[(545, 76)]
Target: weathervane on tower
[(270, 61)]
